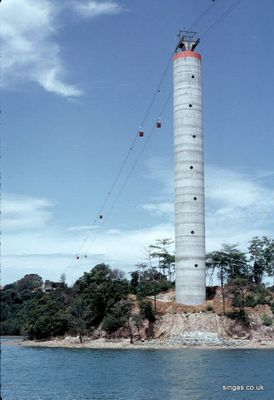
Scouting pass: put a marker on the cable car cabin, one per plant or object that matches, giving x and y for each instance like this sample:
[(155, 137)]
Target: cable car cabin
[(101, 216), (141, 133), (158, 124), (77, 257)]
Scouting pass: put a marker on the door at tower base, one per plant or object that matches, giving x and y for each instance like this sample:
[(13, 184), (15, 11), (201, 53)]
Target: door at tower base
[(189, 179)]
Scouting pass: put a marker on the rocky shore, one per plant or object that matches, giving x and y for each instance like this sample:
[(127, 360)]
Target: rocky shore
[(194, 339)]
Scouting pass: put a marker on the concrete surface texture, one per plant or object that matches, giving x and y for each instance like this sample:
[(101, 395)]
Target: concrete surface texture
[(189, 179)]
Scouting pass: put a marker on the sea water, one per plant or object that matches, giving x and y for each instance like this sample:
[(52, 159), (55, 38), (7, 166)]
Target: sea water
[(88, 374)]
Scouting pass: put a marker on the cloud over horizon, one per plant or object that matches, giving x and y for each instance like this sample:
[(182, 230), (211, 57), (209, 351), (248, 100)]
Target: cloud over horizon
[(91, 9), (239, 206), (23, 213), (29, 42)]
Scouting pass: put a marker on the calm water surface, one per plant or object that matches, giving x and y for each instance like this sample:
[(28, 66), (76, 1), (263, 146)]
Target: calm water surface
[(73, 374)]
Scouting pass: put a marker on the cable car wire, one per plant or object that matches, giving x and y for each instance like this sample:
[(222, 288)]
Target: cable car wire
[(221, 17), (131, 170), (126, 158), (203, 14), (139, 155)]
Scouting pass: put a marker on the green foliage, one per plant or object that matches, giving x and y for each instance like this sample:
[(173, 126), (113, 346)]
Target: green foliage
[(266, 320), (30, 282), (117, 316), (77, 316), (159, 251), (45, 317), (240, 316), (261, 294), (209, 307), (229, 263), (147, 311), (134, 282), (111, 323), (14, 298), (101, 295), (11, 327), (240, 288), (99, 290), (151, 282), (256, 294), (261, 252)]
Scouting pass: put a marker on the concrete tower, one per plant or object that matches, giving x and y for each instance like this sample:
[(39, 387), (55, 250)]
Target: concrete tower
[(189, 174)]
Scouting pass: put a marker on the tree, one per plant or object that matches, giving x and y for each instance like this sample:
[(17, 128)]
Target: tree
[(166, 260), (14, 298), (45, 317), (137, 320), (77, 317), (147, 311), (229, 263), (240, 289), (134, 283), (29, 282), (99, 290), (151, 283), (261, 252), (119, 315), (63, 278)]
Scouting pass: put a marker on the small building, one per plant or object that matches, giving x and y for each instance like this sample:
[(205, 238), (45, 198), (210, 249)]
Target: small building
[(50, 286)]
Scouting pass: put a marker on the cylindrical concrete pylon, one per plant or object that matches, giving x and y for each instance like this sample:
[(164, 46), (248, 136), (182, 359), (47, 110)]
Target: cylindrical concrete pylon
[(189, 179)]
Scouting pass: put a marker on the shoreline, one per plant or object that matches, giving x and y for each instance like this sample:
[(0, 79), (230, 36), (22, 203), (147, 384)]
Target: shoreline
[(155, 344)]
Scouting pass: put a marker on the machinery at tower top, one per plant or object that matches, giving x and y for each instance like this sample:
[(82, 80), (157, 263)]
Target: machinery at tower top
[(187, 41)]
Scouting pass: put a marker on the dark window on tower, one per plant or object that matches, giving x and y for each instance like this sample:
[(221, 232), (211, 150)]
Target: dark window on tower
[(190, 105), (194, 136), (192, 232), (191, 167), (196, 265), (192, 76), (194, 198)]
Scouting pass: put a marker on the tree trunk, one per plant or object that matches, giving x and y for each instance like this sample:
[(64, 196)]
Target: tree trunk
[(130, 332), (223, 292)]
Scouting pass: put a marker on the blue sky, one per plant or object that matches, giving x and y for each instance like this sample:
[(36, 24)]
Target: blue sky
[(77, 80)]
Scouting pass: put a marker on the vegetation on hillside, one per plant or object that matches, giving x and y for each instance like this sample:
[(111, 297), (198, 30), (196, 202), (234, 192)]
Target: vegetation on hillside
[(105, 298)]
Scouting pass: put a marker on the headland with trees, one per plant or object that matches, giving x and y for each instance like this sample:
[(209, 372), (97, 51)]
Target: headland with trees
[(104, 302)]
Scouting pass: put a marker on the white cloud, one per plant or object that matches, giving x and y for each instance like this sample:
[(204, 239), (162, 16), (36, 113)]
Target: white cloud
[(160, 209), (82, 228), (91, 9), (237, 202), (240, 205), (159, 170), (50, 252), (29, 49), (25, 213)]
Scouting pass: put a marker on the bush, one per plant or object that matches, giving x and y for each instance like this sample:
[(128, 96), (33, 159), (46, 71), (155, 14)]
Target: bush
[(266, 320), (147, 311), (45, 317), (112, 323), (209, 307), (117, 316), (240, 316), (250, 301)]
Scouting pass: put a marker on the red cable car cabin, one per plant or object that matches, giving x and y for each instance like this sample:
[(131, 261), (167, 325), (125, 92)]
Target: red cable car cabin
[(158, 124), (141, 133)]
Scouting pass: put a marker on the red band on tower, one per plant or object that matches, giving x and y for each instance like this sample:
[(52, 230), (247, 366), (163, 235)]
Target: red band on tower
[(188, 53)]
